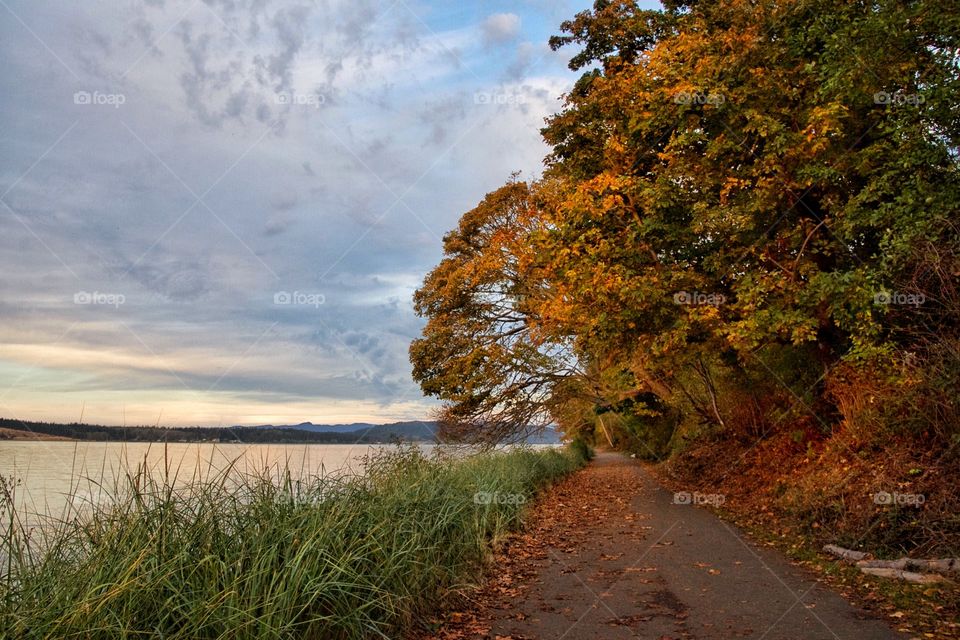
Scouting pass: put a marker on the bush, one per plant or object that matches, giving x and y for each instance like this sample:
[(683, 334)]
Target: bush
[(583, 451)]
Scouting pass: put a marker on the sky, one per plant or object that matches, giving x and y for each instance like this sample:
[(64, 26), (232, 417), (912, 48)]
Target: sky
[(217, 211)]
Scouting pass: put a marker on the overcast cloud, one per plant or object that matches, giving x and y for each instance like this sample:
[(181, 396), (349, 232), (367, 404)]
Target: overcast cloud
[(216, 211)]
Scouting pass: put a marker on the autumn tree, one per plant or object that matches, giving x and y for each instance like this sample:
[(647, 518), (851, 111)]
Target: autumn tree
[(731, 178), (479, 352), (736, 193)]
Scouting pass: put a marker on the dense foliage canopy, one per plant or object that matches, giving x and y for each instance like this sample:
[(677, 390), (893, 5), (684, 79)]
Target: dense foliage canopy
[(750, 208)]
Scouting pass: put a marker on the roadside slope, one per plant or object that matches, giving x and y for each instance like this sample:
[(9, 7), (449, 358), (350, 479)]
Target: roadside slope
[(609, 555)]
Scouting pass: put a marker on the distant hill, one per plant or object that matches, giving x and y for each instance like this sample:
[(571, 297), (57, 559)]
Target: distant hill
[(548, 436), (310, 434), (305, 432), (412, 430)]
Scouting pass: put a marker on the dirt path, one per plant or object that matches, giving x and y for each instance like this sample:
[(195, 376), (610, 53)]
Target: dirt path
[(608, 554)]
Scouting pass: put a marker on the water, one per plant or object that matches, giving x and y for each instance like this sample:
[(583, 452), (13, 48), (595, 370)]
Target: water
[(55, 477)]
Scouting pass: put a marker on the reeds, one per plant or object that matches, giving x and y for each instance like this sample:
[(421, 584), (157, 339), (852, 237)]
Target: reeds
[(262, 555)]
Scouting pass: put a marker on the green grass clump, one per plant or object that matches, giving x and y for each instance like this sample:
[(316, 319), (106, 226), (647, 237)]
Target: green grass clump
[(265, 556)]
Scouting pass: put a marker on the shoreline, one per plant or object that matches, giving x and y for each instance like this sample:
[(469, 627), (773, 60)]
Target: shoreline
[(335, 557), (10, 435)]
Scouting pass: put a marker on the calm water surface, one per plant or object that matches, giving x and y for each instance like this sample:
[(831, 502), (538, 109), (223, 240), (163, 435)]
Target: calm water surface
[(50, 472)]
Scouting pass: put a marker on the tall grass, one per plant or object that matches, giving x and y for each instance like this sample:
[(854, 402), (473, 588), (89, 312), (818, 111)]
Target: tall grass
[(265, 556)]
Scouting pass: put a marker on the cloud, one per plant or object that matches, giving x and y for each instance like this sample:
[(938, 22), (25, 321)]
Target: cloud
[(527, 54), (289, 25), (176, 280), (276, 225), (441, 115), (189, 202), (500, 28)]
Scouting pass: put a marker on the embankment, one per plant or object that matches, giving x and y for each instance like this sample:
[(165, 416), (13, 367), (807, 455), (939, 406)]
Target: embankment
[(891, 498)]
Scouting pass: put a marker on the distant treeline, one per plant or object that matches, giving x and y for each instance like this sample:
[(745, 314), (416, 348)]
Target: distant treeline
[(77, 431)]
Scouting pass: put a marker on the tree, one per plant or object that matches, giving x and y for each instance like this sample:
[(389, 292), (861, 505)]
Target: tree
[(479, 352), (733, 189), (784, 160)]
